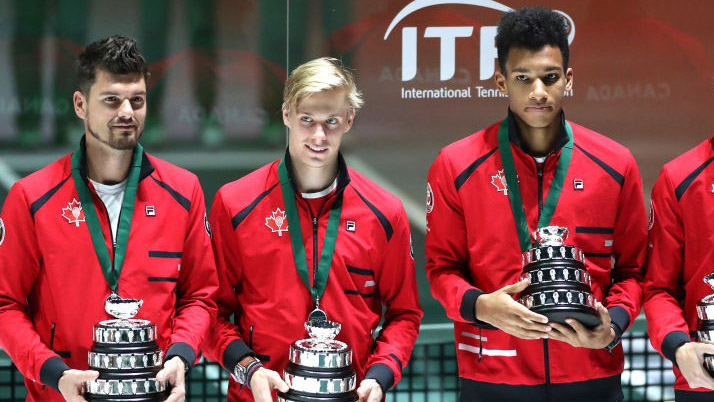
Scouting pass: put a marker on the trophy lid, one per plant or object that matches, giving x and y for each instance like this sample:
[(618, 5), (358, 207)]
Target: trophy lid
[(121, 308), (322, 330), (551, 235), (709, 279)]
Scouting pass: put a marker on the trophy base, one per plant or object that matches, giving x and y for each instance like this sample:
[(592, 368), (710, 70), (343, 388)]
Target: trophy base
[(588, 317), (297, 396), (126, 398)]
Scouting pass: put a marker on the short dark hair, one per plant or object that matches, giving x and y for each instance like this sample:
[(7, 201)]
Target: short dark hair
[(531, 28), (116, 55)]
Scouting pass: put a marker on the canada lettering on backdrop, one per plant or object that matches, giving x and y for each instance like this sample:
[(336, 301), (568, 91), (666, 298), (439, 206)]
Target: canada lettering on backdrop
[(447, 36)]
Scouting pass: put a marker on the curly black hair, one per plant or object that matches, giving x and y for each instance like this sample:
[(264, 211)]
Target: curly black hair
[(531, 28), (117, 55)]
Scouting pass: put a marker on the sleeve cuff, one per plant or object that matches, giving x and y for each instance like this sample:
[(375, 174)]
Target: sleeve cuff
[(620, 318), (182, 350), (235, 352), (382, 374), (468, 307), (671, 342), (51, 371)]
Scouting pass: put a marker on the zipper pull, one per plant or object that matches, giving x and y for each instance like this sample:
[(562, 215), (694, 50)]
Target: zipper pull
[(480, 345), (314, 221)]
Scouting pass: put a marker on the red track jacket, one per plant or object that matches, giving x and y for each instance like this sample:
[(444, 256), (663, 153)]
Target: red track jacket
[(371, 266), (52, 288), (472, 247), (681, 252)]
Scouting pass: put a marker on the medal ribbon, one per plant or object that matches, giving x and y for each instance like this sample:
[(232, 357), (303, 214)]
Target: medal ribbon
[(111, 272), (514, 192), (328, 243)]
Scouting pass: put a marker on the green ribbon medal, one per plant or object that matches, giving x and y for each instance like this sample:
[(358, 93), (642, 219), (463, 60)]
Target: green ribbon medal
[(111, 272), (514, 192), (328, 245)]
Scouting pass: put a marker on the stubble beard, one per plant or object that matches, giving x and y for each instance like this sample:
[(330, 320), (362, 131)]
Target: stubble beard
[(118, 143)]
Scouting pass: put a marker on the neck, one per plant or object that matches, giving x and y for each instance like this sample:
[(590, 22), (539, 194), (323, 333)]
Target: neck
[(310, 179), (538, 141), (106, 165)]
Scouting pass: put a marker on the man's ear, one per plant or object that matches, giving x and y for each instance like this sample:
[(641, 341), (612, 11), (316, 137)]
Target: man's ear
[(80, 104), (500, 82)]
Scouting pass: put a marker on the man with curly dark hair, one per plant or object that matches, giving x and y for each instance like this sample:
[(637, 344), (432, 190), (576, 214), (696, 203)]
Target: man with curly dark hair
[(486, 193)]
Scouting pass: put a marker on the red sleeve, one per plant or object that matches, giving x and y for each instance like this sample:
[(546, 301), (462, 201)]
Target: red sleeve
[(624, 298), (663, 283), (197, 284), (224, 344), (396, 281), (446, 247), (19, 269)]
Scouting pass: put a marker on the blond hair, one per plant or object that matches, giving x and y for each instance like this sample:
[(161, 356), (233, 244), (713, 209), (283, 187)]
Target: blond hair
[(323, 74)]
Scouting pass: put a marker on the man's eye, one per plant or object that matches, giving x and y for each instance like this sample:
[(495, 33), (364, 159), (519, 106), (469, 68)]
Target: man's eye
[(137, 100), (110, 99), (550, 78), (331, 120), (306, 119), (522, 78)]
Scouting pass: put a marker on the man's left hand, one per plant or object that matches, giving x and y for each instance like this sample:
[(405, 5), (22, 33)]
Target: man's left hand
[(174, 370), (369, 391), (577, 335)]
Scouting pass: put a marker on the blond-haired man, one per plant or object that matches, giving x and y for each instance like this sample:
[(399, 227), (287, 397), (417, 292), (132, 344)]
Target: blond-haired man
[(308, 232)]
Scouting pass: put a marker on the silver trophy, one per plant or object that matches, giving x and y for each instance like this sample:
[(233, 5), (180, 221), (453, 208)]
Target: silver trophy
[(560, 285), (320, 367), (705, 326), (126, 355)]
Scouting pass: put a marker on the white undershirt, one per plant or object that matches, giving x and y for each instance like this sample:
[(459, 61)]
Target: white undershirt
[(321, 193), (112, 197), (539, 159)]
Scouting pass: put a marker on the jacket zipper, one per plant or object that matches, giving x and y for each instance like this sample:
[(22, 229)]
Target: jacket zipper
[(546, 354), (52, 344)]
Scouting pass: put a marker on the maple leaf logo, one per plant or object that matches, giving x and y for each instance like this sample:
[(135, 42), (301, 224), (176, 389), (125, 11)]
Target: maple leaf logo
[(276, 221), (73, 212), (499, 181)]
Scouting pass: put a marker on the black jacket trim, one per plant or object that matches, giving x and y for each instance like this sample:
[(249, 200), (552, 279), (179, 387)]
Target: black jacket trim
[(37, 204), (620, 179), (51, 371), (463, 176), (360, 271), (594, 230), (619, 317), (468, 308), (357, 292), (608, 389), (185, 203), (396, 359), (684, 185), (235, 352), (382, 374), (380, 216), (240, 216), (597, 255), (162, 279), (693, 396), (671, 342), (165, 254), (182, 350)]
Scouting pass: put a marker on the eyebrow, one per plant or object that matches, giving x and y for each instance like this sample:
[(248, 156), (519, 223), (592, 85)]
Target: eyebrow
[(117, 93), (525, 70)]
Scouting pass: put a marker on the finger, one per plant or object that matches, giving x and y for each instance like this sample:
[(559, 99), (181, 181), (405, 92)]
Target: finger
[(175, 396), (168, 371), (564, 330), (281, 385), (523, 312), (579, 328), (532, 325), (88, 375), (604, 314), (374, 396), (517, 287)]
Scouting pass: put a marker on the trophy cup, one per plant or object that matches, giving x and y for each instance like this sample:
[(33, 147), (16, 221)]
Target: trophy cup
[(559, 283), (705, 326), (126, 355), (320, 366)]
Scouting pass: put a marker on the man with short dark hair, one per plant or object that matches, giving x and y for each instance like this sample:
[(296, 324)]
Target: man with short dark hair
[(488, 192), (106, 219)]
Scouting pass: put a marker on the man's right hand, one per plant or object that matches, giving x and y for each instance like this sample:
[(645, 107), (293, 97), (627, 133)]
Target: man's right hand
[(690, 359), (71, 384), (263, 382), (500, 310)]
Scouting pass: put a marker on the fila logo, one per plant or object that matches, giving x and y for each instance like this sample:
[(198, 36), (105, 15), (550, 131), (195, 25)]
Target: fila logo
[(351, 226), (578, 184), (150, 210)]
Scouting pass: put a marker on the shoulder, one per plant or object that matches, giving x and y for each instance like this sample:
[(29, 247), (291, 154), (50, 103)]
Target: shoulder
[(601, 149), (695, 159), (375, 197), (242, 192), (39, 183)]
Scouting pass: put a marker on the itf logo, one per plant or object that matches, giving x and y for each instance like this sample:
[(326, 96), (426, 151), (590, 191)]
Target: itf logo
[(448, 35)]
